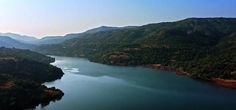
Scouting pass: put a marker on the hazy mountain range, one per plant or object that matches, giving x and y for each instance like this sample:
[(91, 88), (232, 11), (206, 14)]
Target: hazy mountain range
[(9, 42), (22, 41), (20, 38)]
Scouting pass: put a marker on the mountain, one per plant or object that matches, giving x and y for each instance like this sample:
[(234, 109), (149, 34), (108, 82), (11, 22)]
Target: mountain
[(58, 39), (61, 39), (55, 39), (20, 38), (29, 65), (10, 43), (202, 47), (101, 29), (22, 73), (49, 40)]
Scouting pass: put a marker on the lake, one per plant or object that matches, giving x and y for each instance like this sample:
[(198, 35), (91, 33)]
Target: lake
[(93, 86)]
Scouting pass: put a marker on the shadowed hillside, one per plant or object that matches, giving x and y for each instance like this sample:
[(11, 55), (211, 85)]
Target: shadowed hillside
[(21, 74)]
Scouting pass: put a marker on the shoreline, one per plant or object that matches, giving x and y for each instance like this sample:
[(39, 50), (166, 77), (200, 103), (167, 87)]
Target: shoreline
[(226, 83), (31, 94), (167, 68)]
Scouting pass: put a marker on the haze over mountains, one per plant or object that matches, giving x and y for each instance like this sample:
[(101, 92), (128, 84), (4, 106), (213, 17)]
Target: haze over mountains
[(9, 42), (20, 38), (22, 41)]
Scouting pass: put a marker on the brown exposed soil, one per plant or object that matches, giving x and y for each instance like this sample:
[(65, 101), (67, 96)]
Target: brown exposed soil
[(8, 59), (224, 82), (7, 85)]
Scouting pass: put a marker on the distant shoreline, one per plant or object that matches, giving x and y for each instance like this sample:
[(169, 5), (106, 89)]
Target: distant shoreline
[(227, 83)]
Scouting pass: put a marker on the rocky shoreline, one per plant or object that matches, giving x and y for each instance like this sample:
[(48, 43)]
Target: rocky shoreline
[(217, 81), (224, 82)]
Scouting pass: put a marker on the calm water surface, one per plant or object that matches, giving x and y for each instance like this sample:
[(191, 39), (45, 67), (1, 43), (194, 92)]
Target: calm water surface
[(93, 86)]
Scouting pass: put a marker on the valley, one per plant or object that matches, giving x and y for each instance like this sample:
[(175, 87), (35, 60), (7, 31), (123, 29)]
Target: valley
[(117, 55), (203, 47), (200, 48)]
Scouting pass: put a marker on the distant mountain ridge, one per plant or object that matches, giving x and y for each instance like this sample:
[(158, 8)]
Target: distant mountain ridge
[(20, 38), (8, 42), (101, 29), (59, 39)]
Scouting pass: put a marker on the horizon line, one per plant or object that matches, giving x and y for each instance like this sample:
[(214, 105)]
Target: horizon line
[(118, 26)]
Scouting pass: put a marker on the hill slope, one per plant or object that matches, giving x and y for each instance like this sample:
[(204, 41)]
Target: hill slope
[(20, 38), (203, 47), (21, 74), (61, 39), (10, 43)]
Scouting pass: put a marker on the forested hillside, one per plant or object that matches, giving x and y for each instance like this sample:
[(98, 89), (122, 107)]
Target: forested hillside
[(203, 47), (21, 74)]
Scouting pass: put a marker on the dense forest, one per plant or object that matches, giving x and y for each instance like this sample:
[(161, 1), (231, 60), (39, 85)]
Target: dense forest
[(203, 47), (21, 74)]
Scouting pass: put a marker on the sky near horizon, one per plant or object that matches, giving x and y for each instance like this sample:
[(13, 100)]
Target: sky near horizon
[(58, 17)]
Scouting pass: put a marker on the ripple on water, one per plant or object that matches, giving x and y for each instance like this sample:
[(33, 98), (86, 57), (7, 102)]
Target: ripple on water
[(71, 70)]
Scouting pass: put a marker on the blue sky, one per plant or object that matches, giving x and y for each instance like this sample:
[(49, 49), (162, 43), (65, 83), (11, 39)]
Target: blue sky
[(58, 17)]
